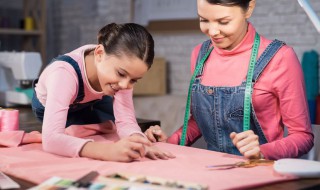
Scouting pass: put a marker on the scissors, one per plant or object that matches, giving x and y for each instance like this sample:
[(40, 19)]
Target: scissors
[(242, 164)]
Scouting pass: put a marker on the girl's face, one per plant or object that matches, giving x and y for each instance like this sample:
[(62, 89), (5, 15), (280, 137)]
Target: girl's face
[(117, 73), (226, 26)]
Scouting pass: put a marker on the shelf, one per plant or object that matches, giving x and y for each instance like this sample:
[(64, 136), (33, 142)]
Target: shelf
[(10, 31)]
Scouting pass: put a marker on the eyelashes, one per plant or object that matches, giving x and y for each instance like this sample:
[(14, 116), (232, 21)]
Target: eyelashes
[(122, 75), (219, 22)]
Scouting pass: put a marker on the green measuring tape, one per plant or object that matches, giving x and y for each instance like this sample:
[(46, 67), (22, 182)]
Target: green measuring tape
[(187, 113), (248, 90)]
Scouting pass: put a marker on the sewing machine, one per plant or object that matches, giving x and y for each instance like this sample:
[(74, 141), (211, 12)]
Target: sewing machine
[(17, 71)]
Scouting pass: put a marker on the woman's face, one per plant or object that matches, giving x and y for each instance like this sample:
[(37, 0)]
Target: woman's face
[(226, 26), (118, 72)]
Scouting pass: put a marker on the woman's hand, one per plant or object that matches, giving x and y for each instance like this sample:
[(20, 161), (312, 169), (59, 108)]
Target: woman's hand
[(154, 153), (155, 134), (247, 143), (125, 150)]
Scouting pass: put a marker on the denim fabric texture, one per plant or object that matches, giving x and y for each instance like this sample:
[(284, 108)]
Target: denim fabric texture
[(218, 111)]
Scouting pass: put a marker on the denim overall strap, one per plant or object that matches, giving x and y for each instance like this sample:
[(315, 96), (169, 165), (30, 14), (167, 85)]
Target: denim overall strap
[(75, 65), (203, 50), (98, 110), (218, 111), (95, 111), (187, 111), (37, 107), (261, 64), (265, 57)]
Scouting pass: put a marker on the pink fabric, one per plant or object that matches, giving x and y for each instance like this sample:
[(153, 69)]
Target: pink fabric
[(11, 138), (62, 77), (278, 97), (189, 165)]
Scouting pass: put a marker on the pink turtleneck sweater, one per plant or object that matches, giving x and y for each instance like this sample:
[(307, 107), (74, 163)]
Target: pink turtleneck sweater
[(57, 89), (278, 96)]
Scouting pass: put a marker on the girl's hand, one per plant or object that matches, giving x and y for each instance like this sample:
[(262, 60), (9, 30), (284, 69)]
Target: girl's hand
[(247, 143), (154, 153), (155, 134), (125, 150)]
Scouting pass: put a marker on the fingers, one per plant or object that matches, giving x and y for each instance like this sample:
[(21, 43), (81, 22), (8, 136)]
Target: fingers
[(233, 135), (150, 135), (237, 137), (160, 155), (139, 148), (140, 139), (137, 152), (131, 156), (134, 148), (155, 134), (253, 153), (154, 153), (128, 150), (247, 143), (160, 136), (169, 155)]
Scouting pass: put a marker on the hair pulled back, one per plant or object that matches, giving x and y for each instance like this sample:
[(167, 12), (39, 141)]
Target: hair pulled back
[(244, 4), (128, 38)]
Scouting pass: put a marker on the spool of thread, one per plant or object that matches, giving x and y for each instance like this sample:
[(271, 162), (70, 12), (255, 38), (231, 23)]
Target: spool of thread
[(9, 119), (28, 23)]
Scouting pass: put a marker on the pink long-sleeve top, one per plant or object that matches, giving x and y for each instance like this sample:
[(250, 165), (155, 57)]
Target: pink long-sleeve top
[(57, 88), (278, 97)]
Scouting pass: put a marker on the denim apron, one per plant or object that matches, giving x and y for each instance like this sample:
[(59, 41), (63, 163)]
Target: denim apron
[(96, 111), (218, 111)]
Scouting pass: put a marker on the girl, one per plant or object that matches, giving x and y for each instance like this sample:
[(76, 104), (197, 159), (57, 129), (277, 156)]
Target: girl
[(245, 90), (90, 87)]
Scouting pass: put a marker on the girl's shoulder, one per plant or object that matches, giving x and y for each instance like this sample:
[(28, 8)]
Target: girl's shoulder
[(81, 50)]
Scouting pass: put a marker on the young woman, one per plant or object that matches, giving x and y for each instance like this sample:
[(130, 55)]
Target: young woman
[(246, 89), (89, 88)]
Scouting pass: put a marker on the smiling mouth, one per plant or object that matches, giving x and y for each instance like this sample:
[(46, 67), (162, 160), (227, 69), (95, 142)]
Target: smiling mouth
[(114, 89), (217, 39)]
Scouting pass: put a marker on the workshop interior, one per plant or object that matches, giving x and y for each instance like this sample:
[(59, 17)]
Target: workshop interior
[(33, 32)]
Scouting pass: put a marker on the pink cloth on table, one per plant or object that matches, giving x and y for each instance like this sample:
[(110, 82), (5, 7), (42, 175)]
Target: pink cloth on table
[(15, 138), (11, 138), (189, 165)]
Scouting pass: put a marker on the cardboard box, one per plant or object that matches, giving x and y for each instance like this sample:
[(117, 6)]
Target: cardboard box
[(154, 81)]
